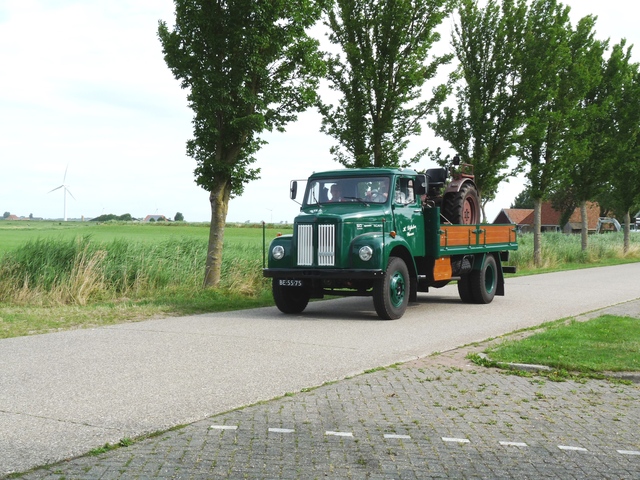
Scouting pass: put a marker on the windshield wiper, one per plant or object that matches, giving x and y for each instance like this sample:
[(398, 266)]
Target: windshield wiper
[(358, 199)]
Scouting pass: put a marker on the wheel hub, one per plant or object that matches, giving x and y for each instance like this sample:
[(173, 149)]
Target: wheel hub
[(398, 288)]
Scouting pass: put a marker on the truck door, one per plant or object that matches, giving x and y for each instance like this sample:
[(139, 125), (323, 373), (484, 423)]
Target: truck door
[(407, 208)]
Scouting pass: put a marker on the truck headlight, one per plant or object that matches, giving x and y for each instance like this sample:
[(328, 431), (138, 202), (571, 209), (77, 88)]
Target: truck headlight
[(365, 253), (278, 252)]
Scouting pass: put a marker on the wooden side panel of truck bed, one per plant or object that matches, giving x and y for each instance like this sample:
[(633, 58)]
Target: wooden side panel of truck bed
[(475, 235), (462, 239), (446, 239)]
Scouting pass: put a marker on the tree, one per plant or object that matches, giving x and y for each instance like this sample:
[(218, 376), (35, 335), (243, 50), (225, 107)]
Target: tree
[(550, 92), (622, 192), (248, 67), (482, 127), (6, 214), (380, 72), (582, 169), (179, 217)]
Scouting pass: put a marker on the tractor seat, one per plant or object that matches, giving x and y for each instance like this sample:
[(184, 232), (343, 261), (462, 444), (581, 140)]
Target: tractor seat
[(437, 176)]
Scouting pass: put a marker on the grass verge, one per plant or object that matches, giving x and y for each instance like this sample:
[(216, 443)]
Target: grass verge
[(606, 344)]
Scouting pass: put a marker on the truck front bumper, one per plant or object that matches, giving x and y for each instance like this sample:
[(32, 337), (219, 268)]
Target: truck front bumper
[(324, 273)]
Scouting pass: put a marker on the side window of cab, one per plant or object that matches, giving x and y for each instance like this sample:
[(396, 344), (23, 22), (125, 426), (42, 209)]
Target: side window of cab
[(404, 193)]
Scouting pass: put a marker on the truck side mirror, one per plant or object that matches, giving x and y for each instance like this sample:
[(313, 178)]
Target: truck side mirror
[(293, 189), (421, 185)]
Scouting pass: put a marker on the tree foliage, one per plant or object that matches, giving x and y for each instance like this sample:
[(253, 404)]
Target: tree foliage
[(523, 199), (380, 71), (482, 126), (556, 79), (248, 67), (622, 153)]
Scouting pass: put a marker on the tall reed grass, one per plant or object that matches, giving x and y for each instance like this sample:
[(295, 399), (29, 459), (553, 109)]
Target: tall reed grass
[(559, 249), (80, 271)]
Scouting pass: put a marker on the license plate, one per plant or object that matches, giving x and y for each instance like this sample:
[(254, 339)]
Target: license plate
[(289, 283)]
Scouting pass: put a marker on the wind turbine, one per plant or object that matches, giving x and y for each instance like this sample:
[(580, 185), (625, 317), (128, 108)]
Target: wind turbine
[(66, 190)]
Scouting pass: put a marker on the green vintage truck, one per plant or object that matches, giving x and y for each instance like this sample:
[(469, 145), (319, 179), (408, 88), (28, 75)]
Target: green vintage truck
[(388, 233)]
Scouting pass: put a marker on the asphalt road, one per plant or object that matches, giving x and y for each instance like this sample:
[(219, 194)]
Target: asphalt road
[(65, 393)]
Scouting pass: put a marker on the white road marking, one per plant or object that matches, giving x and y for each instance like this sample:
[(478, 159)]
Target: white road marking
[(629, 452), (339, 434), (282, 430), (457, 440), (574, 449), (514, 444), (393, 435), (224, 427)]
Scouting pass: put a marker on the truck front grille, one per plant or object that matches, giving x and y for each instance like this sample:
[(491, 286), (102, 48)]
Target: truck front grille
[(326, 245)]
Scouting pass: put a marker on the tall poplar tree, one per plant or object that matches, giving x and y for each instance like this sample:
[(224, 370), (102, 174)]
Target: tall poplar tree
[(550, 96), (380, 71), (248, 67), (582, 169), (622, 153), (482, 126)]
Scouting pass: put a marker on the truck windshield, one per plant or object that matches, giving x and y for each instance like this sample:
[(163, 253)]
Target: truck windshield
[(350, 189)]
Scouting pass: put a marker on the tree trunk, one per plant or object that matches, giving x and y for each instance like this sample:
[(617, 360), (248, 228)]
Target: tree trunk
[(537, 231), (627, 228), (585, 225), (219, 199)]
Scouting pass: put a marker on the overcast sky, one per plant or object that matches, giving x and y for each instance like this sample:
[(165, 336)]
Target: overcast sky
[(84, 89)]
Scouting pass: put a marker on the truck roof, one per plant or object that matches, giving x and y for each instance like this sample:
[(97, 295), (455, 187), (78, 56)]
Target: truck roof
[(359, 172)]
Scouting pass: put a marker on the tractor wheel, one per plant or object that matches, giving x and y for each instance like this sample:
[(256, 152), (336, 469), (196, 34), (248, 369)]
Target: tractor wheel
[(290, 299), (462, 207), (484, 282), (391, 293)]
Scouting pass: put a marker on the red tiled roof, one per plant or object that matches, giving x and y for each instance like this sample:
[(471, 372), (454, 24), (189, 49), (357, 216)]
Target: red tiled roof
[(549, 216), (518, 215)]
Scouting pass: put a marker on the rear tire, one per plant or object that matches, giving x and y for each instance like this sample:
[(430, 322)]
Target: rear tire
[(391, 293), (290, 299), (464, 289), (463, 206), (484, 282)]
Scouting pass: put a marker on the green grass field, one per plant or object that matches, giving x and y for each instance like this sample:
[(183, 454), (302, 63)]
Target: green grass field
[(16, 233)]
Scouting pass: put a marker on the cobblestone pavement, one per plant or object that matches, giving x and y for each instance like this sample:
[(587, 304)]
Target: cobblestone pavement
[(437, 417)]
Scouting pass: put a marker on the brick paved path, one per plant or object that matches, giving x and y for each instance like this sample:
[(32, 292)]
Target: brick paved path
[(419, 420)]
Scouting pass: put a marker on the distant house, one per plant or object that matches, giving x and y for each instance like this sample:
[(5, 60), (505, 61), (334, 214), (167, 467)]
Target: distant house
[(12, 217), (549, 219), (155, 218)]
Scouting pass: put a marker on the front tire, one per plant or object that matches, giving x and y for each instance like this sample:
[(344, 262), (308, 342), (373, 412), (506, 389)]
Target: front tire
[(391, 293), (484, 282), (290, 299)]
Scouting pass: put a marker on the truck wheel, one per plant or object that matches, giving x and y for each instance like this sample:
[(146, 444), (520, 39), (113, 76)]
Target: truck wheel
[(391, 293), (484, 282), (462, 207), (290, 299), (464, 289)]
